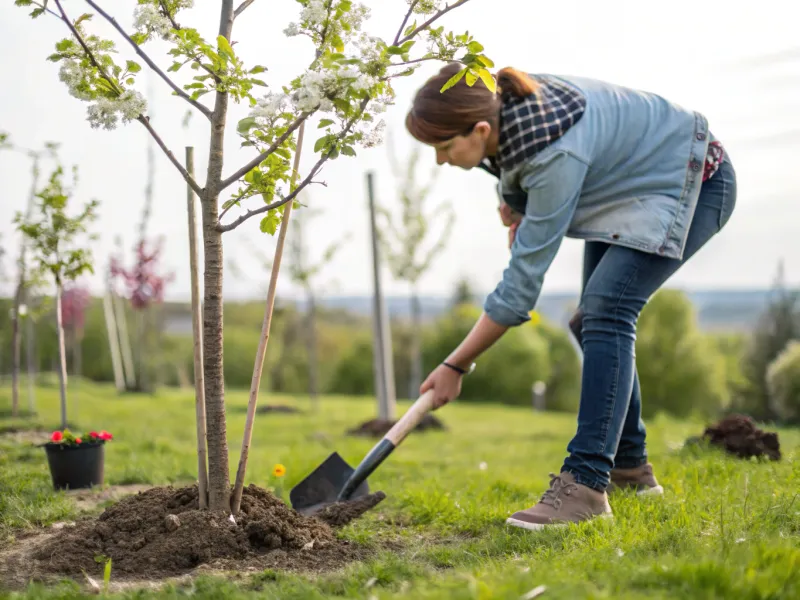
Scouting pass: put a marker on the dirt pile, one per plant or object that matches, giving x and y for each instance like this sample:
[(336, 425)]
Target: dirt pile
[(377, 428), (161, 532), (277, 408), (739, 435)]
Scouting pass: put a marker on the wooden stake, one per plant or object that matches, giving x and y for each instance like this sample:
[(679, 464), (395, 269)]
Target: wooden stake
[(236, 499), (113, 341), (197, 338)]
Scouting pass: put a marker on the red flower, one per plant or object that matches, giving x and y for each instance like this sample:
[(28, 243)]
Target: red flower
[(94, 435), (77, 440), (57, 436), (104, 435)]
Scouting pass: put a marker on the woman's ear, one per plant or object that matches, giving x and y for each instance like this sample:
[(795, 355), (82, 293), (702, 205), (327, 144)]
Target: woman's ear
[(483, 129)]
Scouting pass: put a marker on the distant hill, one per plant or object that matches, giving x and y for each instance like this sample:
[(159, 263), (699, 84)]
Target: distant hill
[(717, 309)]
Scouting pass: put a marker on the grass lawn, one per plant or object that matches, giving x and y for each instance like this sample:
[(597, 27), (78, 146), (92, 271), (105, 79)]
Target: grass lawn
[(726, 528)]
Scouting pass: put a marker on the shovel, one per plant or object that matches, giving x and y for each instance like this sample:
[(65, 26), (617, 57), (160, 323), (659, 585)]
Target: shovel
[(336, 481)]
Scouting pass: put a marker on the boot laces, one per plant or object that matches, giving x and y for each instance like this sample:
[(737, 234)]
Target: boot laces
[(557, 486)]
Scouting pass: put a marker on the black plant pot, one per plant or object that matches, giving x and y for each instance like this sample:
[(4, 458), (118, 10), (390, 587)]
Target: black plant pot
[(75, 467)]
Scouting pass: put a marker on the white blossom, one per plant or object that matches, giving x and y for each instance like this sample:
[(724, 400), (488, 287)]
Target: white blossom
[(314, 13), (292, 30), (148, 18), (71, 73), (105, 111), (270, 106), (375, 138)]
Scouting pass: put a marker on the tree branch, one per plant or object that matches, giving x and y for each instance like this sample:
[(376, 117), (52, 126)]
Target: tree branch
[(405, 20), (141, 118), (430, 21), (178, 91), (257, 160), (242, 7), (187, 177), (47, 10), (315, 169)]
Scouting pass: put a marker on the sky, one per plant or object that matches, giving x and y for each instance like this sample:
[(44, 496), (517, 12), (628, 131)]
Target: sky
[(737, 65)]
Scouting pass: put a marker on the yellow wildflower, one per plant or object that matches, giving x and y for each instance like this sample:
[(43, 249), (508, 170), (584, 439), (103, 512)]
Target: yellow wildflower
[(278, 470)]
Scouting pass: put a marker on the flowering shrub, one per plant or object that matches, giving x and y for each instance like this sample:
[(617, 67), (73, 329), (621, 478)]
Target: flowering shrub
[(66, 438)]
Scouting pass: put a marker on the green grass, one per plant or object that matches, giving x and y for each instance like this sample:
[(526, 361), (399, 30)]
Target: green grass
[(726, 528)]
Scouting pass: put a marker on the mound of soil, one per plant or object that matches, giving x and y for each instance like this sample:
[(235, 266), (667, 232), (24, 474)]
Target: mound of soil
[(161, 532), (377, 428), (277, 408), (739, 435)]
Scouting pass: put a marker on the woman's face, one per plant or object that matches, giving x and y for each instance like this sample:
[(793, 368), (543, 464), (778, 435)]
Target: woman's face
[(466, 151)]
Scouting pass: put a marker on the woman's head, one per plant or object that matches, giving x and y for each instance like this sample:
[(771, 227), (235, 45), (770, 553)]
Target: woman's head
[(461, 123)]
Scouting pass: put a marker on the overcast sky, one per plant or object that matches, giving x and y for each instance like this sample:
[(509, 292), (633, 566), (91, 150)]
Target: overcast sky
[(738, 65)]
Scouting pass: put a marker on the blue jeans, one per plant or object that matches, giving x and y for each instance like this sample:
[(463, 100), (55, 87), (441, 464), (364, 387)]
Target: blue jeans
[(617, 283)]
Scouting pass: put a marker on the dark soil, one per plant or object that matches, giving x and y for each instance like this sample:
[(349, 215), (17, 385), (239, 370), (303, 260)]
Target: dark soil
[(739, 435), (160, 533), (277, 408), (377, 428), (342, 513)]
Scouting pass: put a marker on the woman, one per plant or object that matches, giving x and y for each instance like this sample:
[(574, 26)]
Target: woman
[(642, 181)]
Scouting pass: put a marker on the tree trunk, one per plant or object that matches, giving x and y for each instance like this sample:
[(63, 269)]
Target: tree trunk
[(415, 346), (16, 350), (62, 358), (313, 361), (29, 359), (219, 488)]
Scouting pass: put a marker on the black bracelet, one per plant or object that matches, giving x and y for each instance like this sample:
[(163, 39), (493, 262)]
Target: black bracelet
[(455, 368)]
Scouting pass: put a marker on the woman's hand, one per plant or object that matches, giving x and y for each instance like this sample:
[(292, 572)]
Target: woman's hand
[(510, 219), (446, 384)]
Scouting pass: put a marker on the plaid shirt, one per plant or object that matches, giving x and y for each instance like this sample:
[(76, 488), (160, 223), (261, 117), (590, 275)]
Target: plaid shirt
[(531, 123)]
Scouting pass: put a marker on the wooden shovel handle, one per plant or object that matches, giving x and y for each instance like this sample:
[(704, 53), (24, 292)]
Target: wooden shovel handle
[(406, 424)]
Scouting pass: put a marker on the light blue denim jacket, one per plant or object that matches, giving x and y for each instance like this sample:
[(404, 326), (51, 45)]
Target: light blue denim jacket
[(628, 173)]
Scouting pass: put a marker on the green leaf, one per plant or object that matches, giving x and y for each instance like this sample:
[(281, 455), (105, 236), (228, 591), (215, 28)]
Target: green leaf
[(324, 123), (83, 17), (269, 224), (488, 80), (224, 46), (348, 151), (37, 12), (258, 82), (485, 61), (133, 66), (246, 125), (471, 78), (257, 69), (194, 86), (453, 80), (475, 47), (320, 143)]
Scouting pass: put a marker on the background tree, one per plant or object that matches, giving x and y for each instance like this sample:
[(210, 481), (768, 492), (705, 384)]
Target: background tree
[(74, 301), (59, 251), (778, 325), (680, 370), (348, 83), (783, 384), (24, 288), (403, 238)]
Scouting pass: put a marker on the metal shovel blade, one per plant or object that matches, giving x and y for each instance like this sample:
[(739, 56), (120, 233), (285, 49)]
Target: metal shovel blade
[(321, 488)]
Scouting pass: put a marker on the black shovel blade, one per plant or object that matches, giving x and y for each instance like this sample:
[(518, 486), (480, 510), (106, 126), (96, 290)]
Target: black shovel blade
[(321, 488)]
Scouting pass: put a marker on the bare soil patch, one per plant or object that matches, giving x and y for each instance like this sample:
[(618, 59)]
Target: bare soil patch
[(377, 428), (160, 533)]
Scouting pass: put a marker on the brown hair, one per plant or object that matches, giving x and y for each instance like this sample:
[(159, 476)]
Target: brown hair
[(437, 116)]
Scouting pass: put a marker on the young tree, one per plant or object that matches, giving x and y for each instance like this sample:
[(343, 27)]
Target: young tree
[(348, 82), (59, 251), (305, 273), (24, 282), (403, 240)]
